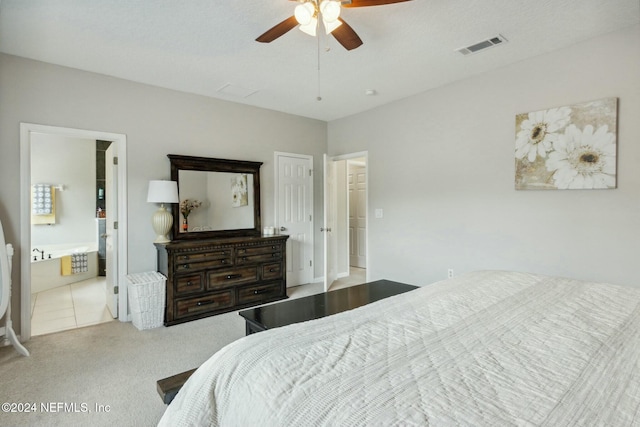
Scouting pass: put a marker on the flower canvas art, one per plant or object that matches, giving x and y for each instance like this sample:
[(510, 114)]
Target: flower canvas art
[(239, 196), (570, 147)]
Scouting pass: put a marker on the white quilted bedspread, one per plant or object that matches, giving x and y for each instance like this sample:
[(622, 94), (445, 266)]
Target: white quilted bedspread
[(484, 349)]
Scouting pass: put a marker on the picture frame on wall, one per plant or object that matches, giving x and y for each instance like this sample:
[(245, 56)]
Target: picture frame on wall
[(567, 148)]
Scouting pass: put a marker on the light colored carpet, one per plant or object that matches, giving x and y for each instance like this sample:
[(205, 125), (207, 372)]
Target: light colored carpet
[(110, 364)]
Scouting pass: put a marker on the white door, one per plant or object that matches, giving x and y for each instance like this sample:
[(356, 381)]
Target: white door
[(330, 214), (294, 214), (111, 208), (357, 179)]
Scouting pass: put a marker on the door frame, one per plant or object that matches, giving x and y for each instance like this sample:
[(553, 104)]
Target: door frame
[(276, 199), (120, 141), (349, 156)]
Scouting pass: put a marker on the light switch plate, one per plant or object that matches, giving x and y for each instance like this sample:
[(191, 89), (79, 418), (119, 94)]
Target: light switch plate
[(379, 213)]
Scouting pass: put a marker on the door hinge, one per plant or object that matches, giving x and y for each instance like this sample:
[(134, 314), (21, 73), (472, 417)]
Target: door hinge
[(115, 225), (116, 290), (115, 161), (310, 171), (310, 263), (310, 218)]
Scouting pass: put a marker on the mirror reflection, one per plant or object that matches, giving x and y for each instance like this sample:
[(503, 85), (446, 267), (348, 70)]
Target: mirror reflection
[(213, 201), (218, 197)]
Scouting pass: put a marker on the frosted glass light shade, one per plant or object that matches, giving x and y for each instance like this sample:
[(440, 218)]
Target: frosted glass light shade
[(304, 13), (330, 10), (310, 28)]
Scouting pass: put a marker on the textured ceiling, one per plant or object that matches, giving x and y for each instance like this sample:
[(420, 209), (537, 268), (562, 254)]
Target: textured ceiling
[(203, 46)]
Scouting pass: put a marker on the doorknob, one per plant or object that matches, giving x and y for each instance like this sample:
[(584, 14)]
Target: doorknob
[(325, 229), (283, 228)]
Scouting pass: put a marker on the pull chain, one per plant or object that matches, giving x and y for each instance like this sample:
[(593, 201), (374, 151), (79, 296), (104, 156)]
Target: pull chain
[(318, 98)]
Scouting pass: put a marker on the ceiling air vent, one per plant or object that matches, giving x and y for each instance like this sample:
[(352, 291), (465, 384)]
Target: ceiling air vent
[(484, 44)]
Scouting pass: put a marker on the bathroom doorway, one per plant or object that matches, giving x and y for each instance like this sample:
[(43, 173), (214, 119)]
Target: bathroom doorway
[(67, 276)]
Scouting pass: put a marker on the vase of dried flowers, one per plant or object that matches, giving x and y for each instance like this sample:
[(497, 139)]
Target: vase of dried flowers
[(186, 206)]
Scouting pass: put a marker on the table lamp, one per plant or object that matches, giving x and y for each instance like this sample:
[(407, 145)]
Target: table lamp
[(162, 192)]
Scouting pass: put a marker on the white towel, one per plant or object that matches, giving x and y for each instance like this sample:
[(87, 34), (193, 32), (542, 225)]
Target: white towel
[(42, 201), (79, 263)]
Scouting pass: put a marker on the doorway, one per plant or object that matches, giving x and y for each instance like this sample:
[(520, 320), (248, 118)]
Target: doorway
[(63, 244), (349, 228)]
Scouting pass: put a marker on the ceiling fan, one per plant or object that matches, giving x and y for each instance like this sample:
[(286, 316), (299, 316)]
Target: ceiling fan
[(307, 14)]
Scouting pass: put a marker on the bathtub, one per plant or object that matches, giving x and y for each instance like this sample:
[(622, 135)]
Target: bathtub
[(45, 273)]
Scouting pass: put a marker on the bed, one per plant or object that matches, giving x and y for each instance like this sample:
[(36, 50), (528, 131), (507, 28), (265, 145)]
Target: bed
[(487, 348)]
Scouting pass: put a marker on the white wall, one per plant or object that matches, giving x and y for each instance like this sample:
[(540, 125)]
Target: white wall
[(441, 165), (156, 122), (70, 162)]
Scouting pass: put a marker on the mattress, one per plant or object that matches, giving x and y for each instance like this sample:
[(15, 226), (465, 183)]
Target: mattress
[(488, 348)]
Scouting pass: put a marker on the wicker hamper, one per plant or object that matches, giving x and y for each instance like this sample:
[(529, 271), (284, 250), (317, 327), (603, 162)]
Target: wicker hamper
[(147, 299)]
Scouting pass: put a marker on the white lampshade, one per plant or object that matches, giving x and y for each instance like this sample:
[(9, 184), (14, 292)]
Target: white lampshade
[(162, 192)]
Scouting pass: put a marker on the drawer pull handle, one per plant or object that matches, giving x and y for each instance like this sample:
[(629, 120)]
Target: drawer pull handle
[(207, 302), (189, 283), (275, 255), (271, 270), (233, 276), (260, 291), (224, 261), (244, 258), (186, 266)]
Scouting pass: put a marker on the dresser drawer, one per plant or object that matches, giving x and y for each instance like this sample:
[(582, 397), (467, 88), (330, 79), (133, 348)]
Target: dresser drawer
[(188, 284), (272, 271), (202, 256), (211, 302), (258, 293), (258, 254), (202, 264), (234, 276), (256, 250)]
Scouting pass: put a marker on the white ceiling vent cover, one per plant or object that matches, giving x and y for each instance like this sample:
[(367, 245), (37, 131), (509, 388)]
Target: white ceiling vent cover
[(484, 44)]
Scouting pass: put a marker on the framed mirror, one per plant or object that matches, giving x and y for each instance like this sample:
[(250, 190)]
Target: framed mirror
[(218, 197)]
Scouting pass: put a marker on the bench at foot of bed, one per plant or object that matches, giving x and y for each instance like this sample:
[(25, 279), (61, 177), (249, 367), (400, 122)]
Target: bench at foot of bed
[(170, 386)]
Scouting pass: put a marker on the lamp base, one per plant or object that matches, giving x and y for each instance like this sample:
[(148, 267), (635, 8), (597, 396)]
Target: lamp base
[(161, 221)]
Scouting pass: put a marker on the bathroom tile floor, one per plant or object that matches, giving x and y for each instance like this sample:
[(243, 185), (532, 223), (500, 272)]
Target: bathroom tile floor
[(69, 307)]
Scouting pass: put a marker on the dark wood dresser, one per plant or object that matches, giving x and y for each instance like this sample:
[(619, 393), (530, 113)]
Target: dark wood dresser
[(212, 276)]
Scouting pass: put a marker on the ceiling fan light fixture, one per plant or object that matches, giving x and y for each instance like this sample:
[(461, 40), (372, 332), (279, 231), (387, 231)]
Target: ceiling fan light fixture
[(330, 10), (310, 27), (304, 13)]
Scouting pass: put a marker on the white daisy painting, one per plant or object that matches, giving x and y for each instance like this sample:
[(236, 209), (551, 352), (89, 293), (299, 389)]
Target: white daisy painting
[(572, 147), (239, 196)]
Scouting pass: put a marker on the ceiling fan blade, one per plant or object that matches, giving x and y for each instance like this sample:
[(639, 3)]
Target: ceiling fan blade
[(346, 36), (365, 3), (278, 30)]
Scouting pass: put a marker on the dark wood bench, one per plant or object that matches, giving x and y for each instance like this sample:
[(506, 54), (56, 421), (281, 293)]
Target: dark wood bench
[(170, 386)]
